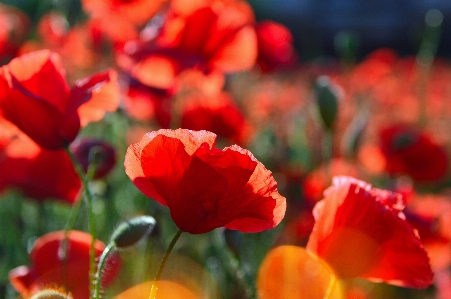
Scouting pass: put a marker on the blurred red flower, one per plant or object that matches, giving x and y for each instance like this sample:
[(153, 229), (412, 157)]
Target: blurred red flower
[(275, 46), (137, 12), (217, 114), (35, 96), (362, 231), (204, 187), (199, 104), (14, 27), (413, 153), (120, 20), (49, 270), (38, 173), (206, 35)]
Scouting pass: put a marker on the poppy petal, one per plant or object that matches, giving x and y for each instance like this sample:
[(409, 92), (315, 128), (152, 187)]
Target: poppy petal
[(212, 183), (41, 74), (262, 207), (54, 130), (361, 231), (96, 95), (160, 154)]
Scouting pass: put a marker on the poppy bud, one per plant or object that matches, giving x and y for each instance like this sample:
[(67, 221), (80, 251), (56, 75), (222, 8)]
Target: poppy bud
[(130, 232), (327, 101), (51, 294), (95, 152)]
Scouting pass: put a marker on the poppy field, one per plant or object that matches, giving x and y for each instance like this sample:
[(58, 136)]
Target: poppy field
[(177, 149)]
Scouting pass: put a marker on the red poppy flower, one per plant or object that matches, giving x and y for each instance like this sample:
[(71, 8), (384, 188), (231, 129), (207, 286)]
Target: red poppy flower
[(48, 269), (35, 96), (413, 153), (362, 231), (204, 187), (39, 174)]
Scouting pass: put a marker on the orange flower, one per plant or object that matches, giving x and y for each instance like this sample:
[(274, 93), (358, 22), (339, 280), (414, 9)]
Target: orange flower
[(289, 272), (166, 290)]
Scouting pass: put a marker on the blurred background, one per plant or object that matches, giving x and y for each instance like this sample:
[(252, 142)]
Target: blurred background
[(315, 24)]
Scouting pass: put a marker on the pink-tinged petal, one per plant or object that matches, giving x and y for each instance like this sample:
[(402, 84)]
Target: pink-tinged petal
[(104, 96), (192, 140), (261, 207), (41, 75), (361, 231)]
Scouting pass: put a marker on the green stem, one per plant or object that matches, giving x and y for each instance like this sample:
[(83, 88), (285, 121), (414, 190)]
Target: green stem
[(63, 249), (232, 264), (103, 259), (327, 153), (91, 220), (153, 291), (62, 252), (425, 59)]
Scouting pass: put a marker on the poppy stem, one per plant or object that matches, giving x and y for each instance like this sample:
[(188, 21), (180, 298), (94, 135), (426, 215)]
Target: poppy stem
[(153, 291), (103, 259), (327, 153), (64, 247), (232, 264), (91, 220)]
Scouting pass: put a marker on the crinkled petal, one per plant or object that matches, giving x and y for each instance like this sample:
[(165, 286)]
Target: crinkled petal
[(261, 207), (160, 159)]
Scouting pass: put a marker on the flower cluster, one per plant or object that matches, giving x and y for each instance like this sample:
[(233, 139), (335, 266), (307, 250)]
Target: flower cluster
[(179, 149)]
